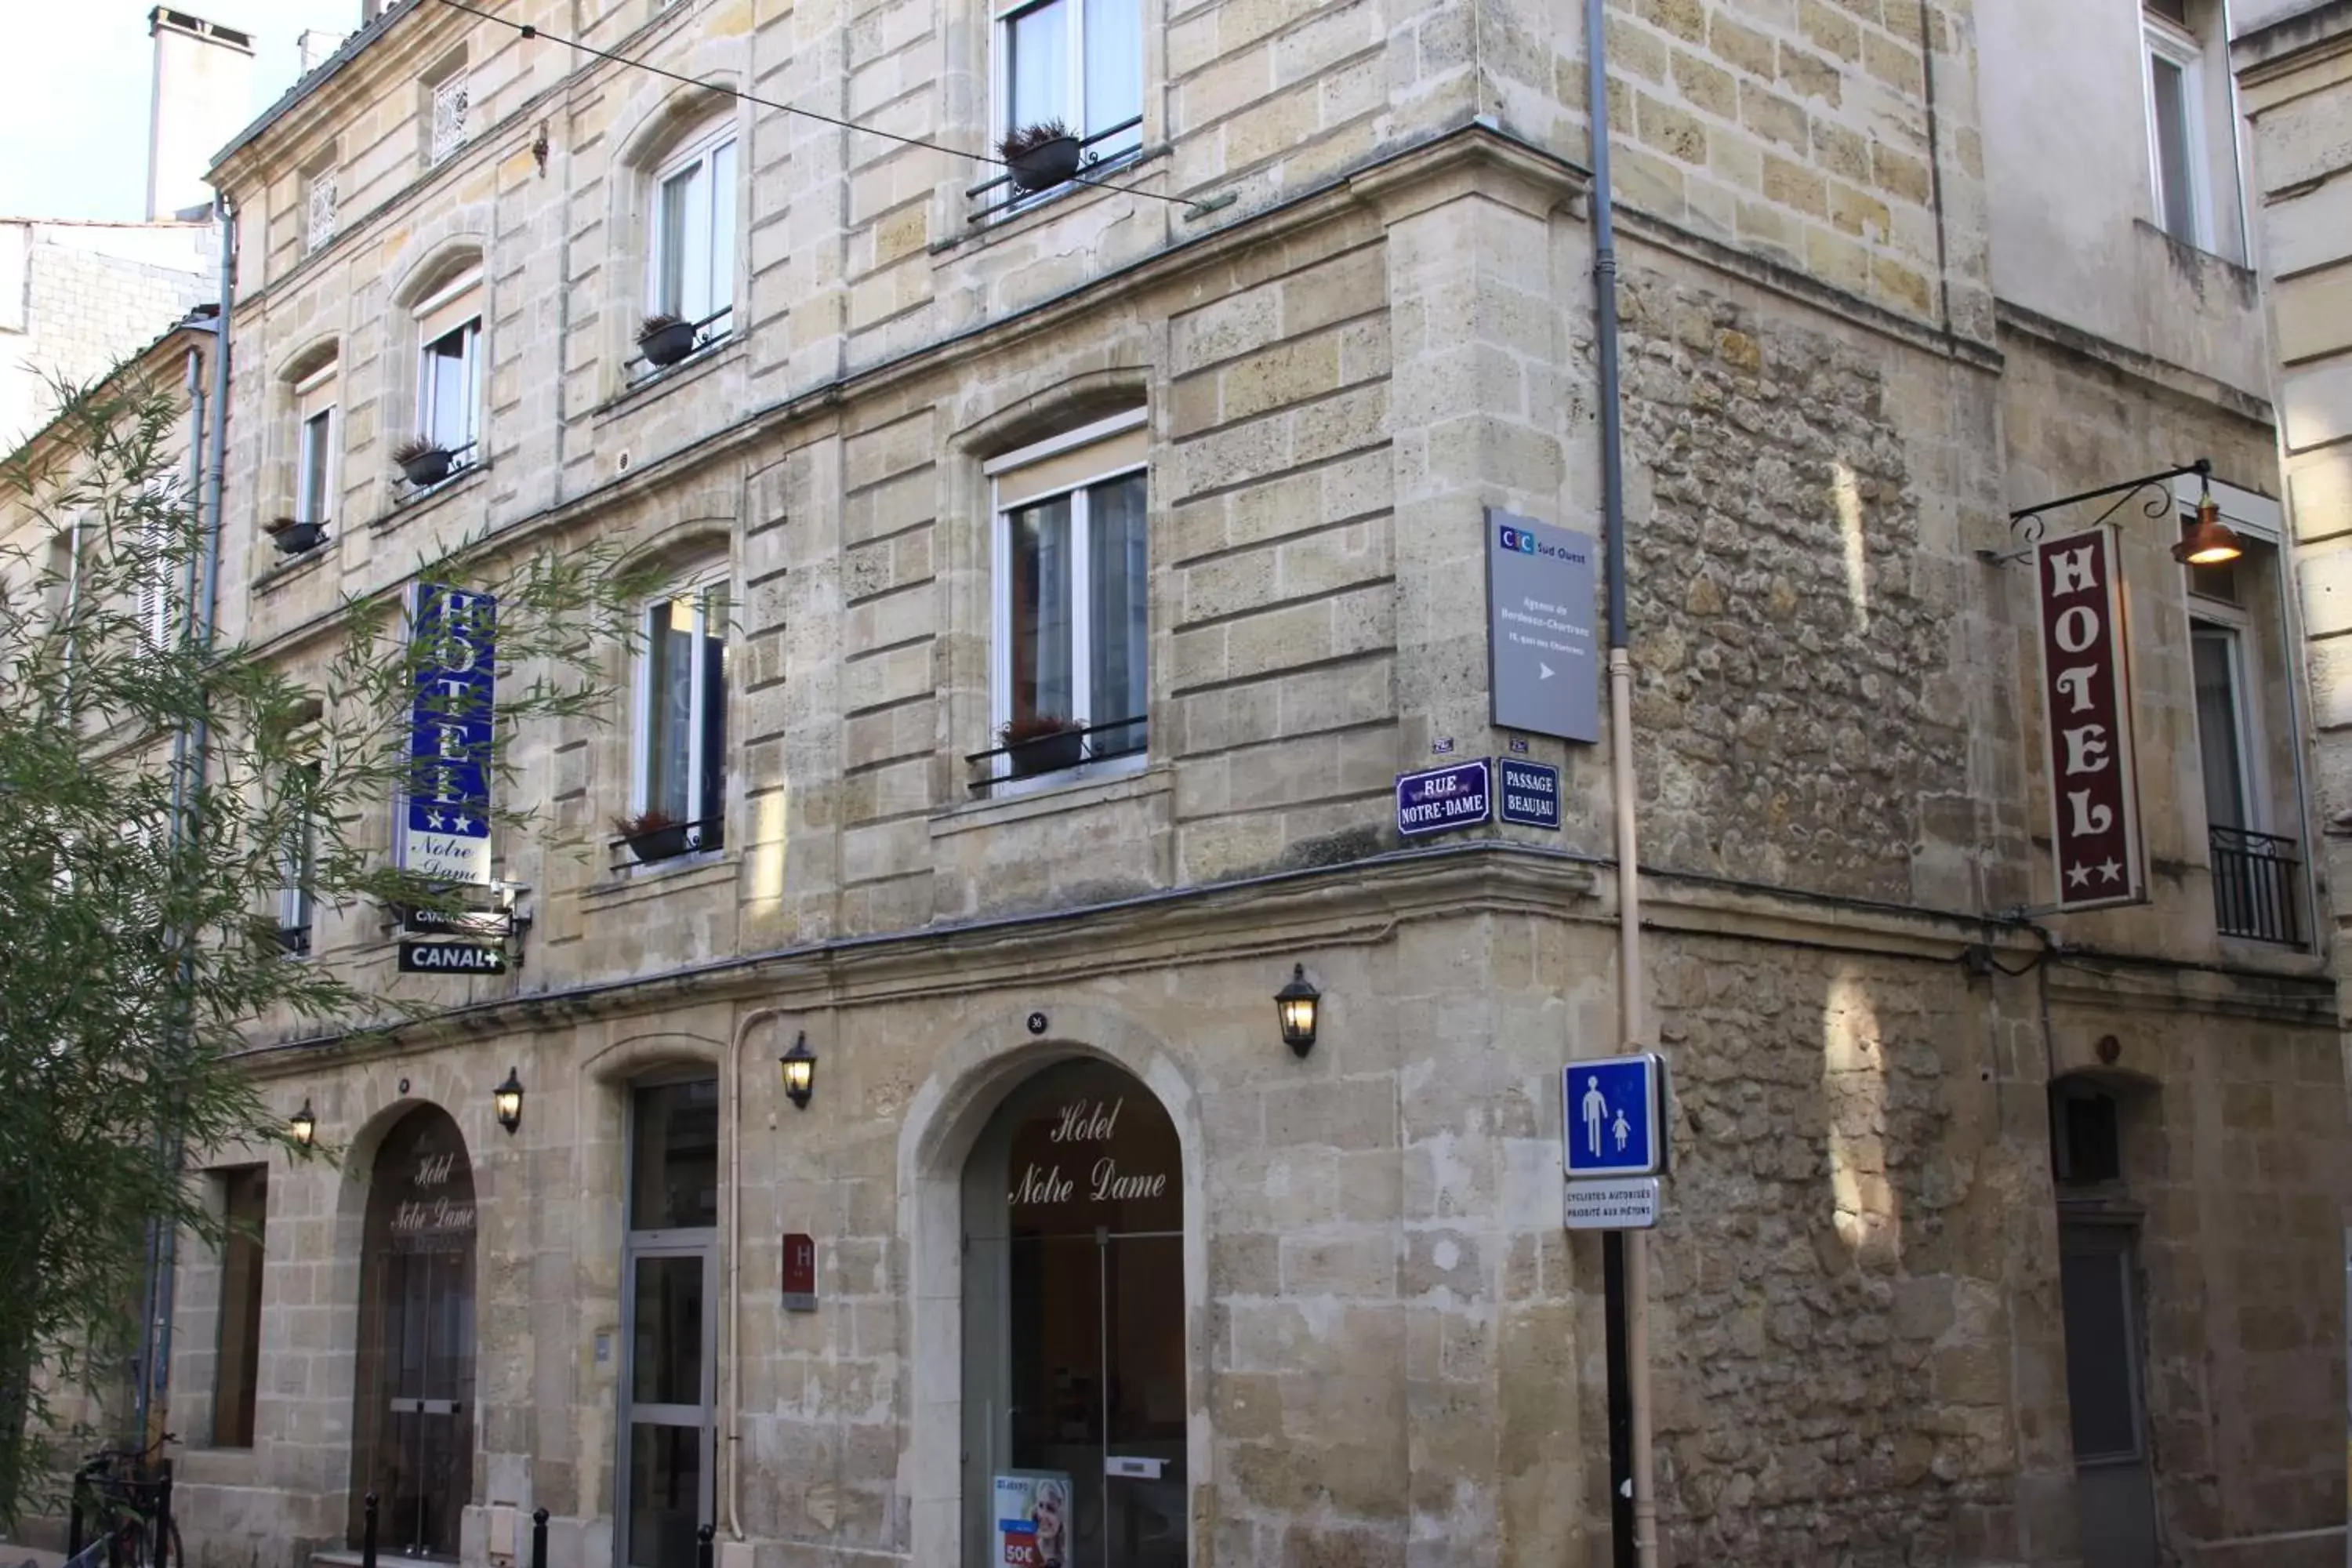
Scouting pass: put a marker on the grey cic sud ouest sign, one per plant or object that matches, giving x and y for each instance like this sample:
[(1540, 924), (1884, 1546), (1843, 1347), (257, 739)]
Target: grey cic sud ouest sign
[(1539, 641)]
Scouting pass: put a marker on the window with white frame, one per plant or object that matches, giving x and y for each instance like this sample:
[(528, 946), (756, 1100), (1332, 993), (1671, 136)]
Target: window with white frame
[(298, 906), (2176, 132), (1071, 573), (690, 252), (162, 554), (314, 445), (681, 730), (1077, 62), (319, 211), (449, 368)]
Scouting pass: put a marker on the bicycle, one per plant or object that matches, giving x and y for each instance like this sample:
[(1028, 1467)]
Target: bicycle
[(128, 1495)]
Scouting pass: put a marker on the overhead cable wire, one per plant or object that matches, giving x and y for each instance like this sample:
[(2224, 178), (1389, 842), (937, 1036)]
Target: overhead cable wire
[(529, 31)]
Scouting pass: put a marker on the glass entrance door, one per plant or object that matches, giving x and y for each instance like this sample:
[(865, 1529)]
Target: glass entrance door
[(669, 1458), (1083, 1454), (668, 1295), (1074, 1395)]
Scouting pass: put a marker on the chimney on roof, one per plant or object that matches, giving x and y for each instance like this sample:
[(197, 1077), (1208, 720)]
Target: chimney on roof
[(203, 73), (314, 45)]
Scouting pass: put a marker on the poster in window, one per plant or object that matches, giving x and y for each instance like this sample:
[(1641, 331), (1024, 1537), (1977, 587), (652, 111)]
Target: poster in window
[(1033, 1519)]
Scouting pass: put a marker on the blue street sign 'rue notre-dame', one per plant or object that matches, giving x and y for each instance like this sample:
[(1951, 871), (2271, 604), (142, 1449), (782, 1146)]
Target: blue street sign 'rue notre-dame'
[(1612, 1126), (1460, 796)]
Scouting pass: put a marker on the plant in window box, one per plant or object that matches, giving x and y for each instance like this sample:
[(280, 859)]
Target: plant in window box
[(1043, 743), (665, 339), (1040, 156), (654, 835), (293, 537), (422, 460)]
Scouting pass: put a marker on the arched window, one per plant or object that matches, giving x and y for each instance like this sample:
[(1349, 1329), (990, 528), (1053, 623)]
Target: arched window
[(1074, 1379), (446, 306), (690, 237)]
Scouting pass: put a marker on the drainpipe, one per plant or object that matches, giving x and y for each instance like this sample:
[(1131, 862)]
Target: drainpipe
[(730, 1413), (155, 1388), (1632, 1026)]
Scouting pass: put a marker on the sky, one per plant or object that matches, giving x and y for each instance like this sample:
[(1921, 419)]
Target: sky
[(74, 89)]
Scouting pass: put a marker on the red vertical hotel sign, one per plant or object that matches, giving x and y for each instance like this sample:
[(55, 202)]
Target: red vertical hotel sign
[(2086, 703)]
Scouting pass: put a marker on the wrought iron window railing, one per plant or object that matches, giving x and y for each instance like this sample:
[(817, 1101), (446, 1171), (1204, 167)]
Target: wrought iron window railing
[(461, 463), (2257, 886), (667, 842), (999, 197), (1057, 753), (705, 336)]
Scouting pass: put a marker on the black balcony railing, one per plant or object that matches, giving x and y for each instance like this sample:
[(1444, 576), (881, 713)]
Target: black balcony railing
[(1048, 754), (667, 841), (999, 196), (2257, 886)]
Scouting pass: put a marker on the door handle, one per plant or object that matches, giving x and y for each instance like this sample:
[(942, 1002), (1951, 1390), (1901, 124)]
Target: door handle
[(407, 1406), (438, 1406)]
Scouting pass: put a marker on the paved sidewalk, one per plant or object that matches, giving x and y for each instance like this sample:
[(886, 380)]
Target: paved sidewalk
[(15, 1556)]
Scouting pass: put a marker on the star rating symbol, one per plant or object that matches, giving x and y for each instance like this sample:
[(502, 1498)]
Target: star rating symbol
[(435, 821), (2078, 876), (2110, 871), (463, 824)]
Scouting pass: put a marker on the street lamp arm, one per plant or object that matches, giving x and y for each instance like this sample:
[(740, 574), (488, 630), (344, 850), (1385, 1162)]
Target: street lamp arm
[(2031, 523)]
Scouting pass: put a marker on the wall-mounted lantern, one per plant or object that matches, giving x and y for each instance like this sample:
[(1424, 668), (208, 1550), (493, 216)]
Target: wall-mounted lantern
[(507, 1100), (1298, 1005), (302, 1124), (799, 1071)]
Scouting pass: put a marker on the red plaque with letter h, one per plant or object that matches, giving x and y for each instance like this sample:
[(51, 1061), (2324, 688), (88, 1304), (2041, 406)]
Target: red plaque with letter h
[(2086, 705), (800, 1273)]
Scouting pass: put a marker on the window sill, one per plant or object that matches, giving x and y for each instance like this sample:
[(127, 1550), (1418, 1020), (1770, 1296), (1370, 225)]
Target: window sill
[(647, 388), (680, 873), (285, 569), (2237, 270), (1131, 777), (986, 230), (402, 508)]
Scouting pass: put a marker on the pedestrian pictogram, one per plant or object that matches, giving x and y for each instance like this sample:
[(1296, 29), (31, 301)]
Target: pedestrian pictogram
[(1611, 1123)]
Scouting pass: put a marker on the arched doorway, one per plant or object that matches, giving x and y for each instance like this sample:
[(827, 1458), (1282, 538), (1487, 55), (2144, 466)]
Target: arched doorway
[(413, 1388), (1074, 1365)]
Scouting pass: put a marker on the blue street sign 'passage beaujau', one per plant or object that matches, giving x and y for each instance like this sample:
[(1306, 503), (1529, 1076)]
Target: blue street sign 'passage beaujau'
[(1612, 1127), (1530, 793), (1460, 796)]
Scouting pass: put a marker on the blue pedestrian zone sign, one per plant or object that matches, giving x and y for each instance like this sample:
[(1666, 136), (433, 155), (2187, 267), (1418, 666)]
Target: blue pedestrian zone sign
[(1613, 1125)]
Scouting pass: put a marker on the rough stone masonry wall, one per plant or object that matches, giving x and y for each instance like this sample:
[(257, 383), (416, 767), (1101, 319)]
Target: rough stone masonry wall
[(1831, 1350), (1793, 728)]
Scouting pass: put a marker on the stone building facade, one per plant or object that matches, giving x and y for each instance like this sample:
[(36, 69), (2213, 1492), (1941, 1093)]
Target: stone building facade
[(78, 298), (1994, 1236)]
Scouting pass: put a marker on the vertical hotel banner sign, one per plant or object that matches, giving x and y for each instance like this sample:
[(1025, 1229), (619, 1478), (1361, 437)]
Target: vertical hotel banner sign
[(445, 820), (2086, 704)]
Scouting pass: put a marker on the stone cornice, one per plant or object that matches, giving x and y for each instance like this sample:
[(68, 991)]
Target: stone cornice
[(2161, 375), (1352, 904), (2293, 44)]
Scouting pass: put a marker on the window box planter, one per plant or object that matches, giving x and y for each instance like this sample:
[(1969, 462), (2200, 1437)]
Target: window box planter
[(1039, 157), (422, 463), (659, 844), (665, 340), (1049, 753), (293, 538)]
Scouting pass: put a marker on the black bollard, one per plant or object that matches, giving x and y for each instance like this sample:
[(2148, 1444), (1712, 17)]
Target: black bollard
[(702, 1546), (367, 1533), (538, 1538)]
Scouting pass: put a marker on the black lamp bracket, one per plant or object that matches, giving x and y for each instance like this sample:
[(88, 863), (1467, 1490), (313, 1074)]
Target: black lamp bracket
[(2031, 523)]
